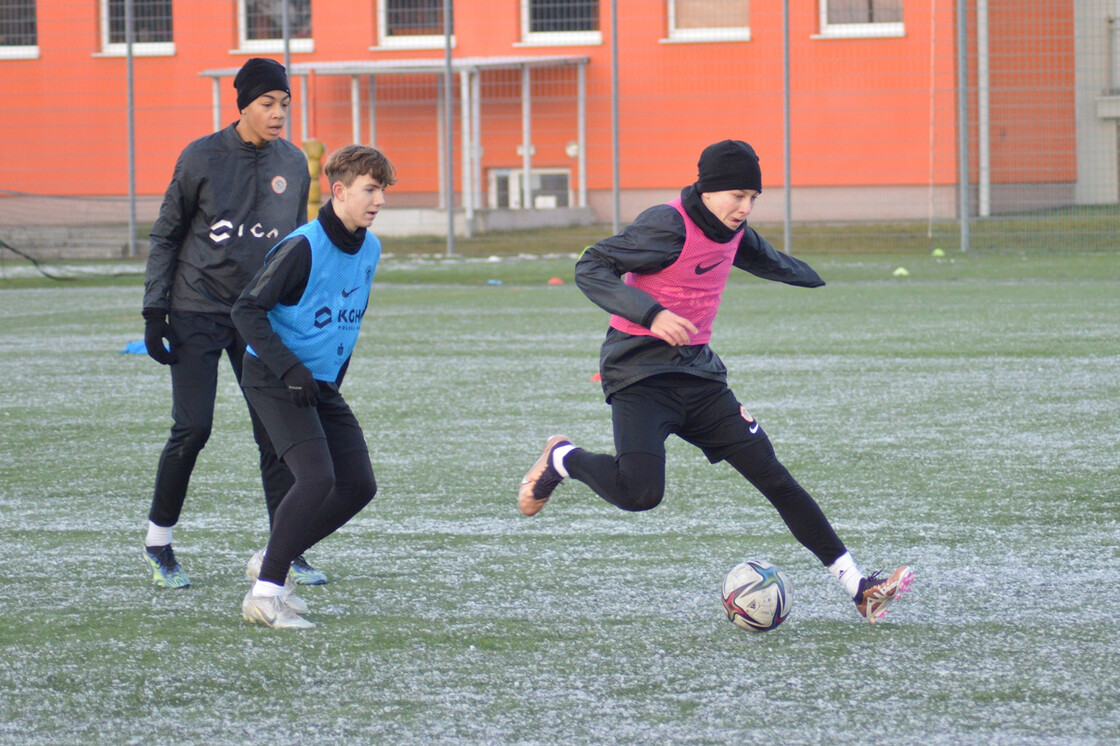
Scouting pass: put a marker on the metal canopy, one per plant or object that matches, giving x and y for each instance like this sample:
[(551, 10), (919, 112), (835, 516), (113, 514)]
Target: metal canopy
[(468, 69)]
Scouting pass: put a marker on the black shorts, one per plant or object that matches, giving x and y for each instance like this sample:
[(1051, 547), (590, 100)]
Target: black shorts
[(702, 412), (287, 424)]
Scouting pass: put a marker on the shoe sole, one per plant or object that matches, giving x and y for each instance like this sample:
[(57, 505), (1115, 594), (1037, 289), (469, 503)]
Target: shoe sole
[(531, 505), (254, 615), (256, 618), (897, 584), (299, 579)]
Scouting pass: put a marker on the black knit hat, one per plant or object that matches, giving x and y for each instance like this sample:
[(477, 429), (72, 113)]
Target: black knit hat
[(257, 77), (731, 164)]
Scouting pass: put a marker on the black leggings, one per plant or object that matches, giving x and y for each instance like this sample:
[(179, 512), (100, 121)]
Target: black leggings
[(707, 415), (326, 494), (194, 385)]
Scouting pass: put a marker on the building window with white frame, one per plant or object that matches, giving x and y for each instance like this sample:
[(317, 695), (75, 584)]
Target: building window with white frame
[(709, 20), (847, 19), (19, 32), (261, 25), (560, 22), (411, 24), (152, 28)]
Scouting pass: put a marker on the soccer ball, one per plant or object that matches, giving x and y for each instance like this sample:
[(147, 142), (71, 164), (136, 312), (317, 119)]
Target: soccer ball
[(756, 596)]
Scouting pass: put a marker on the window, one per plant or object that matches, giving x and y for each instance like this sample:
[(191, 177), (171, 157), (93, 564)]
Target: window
[(151, 27), (560, 22), (411, 24), (709, 20), (861, 18), (549, 187), (261, 25), (19, 34)]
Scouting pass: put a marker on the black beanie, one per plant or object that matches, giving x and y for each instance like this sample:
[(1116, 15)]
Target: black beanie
[(257, 77), (731, 164)]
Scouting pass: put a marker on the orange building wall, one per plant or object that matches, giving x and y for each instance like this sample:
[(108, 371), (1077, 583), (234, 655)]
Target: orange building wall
[(1033, 130), (860, 108)]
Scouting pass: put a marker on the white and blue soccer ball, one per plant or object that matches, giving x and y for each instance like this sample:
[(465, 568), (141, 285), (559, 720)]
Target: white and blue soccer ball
[(756, 596)]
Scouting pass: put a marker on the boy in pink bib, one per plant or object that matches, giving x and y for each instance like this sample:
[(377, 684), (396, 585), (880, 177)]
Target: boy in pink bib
[(662, 279)]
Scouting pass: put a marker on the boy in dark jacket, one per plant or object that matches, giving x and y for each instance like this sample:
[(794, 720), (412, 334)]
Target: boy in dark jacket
[(234, 194), (662, 279)]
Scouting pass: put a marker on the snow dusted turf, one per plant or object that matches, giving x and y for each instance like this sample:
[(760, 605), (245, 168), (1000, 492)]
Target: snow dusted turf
[(963, 420)]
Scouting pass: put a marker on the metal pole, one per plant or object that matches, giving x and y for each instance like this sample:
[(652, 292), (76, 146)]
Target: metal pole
[(983, 122), (465, 140), (962, 122), (581, 131), (128, 36), (615, 177), (448, 136), (287, 61), (526, 138), (787, 227)]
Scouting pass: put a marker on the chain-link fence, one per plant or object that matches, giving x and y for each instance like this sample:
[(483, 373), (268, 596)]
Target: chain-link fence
[(979, 124)]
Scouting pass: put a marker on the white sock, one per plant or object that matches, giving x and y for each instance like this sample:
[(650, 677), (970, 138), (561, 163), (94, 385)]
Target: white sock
[(265, 588), (158, 536), (844, 569), (558, 454)]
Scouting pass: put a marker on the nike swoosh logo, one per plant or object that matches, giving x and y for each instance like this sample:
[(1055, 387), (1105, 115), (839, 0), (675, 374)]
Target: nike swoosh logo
[(754, 428), (348, 293), (701, 269)]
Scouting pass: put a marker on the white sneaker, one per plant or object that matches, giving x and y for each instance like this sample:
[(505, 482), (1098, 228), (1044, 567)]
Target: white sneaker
[(253, 572), (272, 611)]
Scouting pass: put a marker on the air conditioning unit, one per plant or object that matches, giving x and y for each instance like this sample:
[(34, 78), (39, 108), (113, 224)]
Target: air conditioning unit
[(550, 188)]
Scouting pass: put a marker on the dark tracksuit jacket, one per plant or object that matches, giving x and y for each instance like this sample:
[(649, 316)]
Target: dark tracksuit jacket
[(228, 204)]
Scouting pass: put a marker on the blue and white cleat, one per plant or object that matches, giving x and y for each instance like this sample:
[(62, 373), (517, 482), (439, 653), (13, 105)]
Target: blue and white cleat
[(166, 570), (302, 573)]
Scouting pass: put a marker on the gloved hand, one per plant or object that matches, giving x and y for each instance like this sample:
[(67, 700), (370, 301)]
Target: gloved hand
[(156, 329), (301, 386)]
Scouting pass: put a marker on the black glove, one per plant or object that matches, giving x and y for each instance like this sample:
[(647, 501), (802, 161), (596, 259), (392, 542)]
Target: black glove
[(156, 329), (301, 386)]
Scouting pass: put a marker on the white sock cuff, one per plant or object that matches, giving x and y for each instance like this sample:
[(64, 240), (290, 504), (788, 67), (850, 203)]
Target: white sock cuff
[(558, 454), (158, 536), (265, 588), (844, 569)]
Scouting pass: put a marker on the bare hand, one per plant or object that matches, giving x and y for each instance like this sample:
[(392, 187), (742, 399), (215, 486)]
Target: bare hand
[(671, 328)]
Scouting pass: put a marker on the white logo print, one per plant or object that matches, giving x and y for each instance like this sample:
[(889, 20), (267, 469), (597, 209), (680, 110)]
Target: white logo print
[(279, 184), (219, 231), (222, 230)]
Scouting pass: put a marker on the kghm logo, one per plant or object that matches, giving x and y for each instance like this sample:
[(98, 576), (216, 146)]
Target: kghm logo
[(322, 317), (350, 315)]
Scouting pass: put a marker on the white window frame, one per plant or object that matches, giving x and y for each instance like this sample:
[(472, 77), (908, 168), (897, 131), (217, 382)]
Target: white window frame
[(857, 30), (139, 49), (387, 41), (19, 52), (245, 44), (554, 38), (688, 35)]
